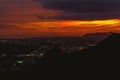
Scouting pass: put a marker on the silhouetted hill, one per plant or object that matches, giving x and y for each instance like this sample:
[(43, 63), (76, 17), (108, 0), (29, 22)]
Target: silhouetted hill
[(96, 37), (106, 52), (112, 41)]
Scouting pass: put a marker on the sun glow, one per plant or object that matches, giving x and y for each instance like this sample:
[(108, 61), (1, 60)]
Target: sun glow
[(62, 28), (102, 22), (71, 23)]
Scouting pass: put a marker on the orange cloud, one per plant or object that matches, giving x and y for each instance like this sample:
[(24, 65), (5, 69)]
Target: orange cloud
[(67, 28), (22, 11), (26, 18)]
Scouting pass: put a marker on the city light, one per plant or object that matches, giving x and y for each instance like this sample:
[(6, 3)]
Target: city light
[(20, 61)]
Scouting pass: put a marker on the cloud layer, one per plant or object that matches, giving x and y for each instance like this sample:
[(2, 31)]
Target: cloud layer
[(27, 18), (84, 9)]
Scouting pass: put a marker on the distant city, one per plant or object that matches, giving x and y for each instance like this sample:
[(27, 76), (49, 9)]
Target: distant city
[(16, 53)]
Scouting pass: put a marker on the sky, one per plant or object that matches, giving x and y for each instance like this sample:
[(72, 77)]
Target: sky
[(32, 18)]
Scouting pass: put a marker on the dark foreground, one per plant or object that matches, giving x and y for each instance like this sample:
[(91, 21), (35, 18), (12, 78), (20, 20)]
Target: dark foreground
[(98, 61)]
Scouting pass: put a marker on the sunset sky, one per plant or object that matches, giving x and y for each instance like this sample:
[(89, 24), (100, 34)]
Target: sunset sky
[(31, 18)]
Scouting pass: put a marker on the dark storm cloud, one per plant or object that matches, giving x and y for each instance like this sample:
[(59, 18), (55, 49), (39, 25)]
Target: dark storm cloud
[(84, 9)]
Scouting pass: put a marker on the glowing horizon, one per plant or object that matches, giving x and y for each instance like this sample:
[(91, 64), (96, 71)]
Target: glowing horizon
[(49, 18), (63, 28)]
